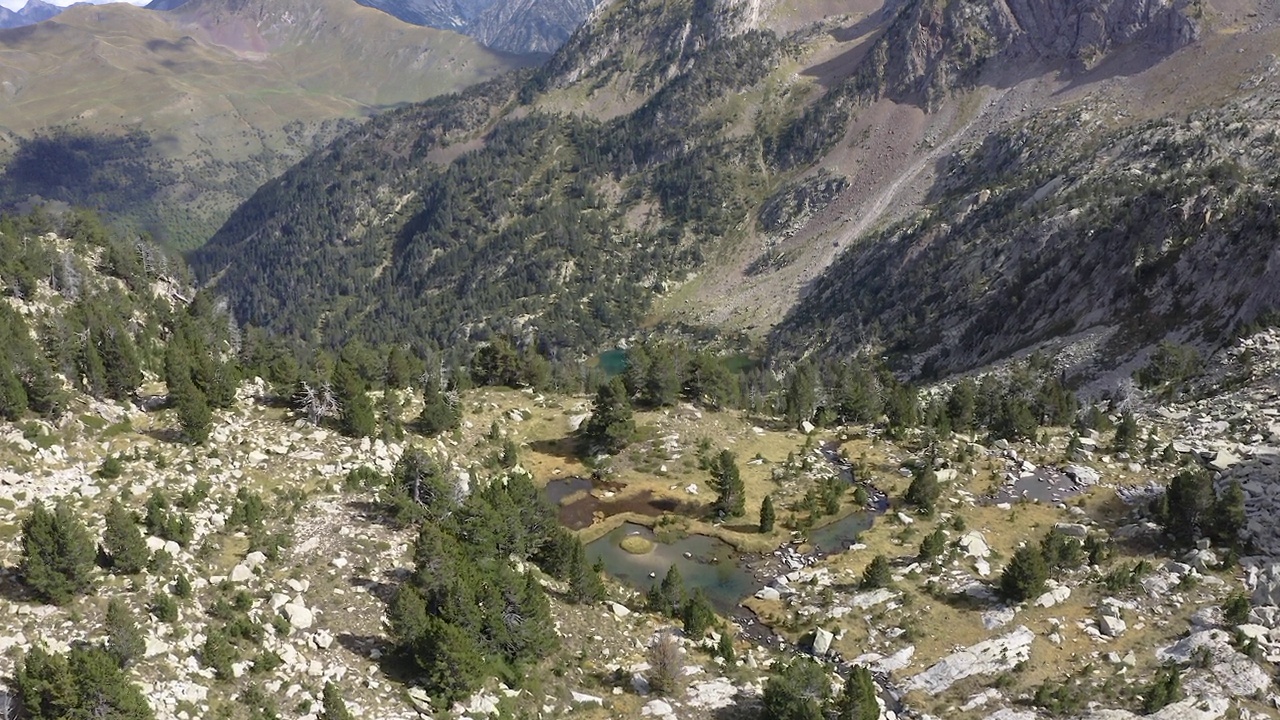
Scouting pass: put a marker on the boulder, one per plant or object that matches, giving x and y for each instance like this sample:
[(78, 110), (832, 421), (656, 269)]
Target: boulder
[(1223, 460), (974, 544), (1202, 560), (1266, 590), (619, 609), (241, 573), (1111, 626), (989, 657), (657, 708), (1082, 475), (322, 639), (822, 642), (1075, 530), (1053, 597), (585, 699), (298, 615)]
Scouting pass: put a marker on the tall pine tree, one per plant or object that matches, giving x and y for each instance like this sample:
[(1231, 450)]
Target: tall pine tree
[(726, 480), (57, 553)]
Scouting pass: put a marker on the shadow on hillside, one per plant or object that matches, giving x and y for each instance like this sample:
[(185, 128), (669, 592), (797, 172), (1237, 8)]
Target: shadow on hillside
[(392, 666), (742, 707), (169, 436), (837, 69), (565, 448), (12, 588), (372, 512), (384, 589)]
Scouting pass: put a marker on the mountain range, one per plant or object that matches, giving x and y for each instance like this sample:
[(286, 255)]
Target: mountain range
[(952, 182), (516, 26), (33, 12), (167, 120)]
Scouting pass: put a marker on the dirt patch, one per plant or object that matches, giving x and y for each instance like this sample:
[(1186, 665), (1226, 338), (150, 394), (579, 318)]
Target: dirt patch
[(586, 511)]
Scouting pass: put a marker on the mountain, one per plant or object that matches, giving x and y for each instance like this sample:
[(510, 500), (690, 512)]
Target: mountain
[(167, 120), (520, 27), (950, 182), (516, 26), (33, 12)]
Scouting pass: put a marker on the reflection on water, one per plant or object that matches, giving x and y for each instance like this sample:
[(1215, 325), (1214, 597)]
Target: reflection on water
[(712, 566), (839, 535), (557, 490)]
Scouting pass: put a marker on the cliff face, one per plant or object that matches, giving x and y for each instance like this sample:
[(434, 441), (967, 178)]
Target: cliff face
[(950, 42), (1084, 31)]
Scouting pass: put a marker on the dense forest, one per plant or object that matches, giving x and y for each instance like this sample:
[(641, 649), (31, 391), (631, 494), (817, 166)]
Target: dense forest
[(558, 225)]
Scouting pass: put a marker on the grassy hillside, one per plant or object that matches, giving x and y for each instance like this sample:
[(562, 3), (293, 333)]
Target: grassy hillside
[(225, 95)]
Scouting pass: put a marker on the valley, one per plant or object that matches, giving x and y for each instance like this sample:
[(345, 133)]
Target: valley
[(774, 361)]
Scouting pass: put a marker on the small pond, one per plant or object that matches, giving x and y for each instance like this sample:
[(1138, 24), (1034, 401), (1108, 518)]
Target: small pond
[(613, 362), (839, 535), (712, 566)]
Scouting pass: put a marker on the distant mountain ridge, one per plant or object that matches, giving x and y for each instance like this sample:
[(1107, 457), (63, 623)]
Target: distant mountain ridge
[(167, 120), (33, 12), (516, 26)]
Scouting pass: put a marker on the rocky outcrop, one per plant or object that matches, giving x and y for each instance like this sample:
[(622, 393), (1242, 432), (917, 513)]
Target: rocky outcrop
[(985, 658), (933, 46)]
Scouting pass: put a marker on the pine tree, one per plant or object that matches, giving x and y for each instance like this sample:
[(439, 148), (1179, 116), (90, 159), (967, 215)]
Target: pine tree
[(801, 398), (726, 480), (724, 648), (1228, 514), (878, 573), (933, 545), (697, 615), (438, 415), (1126, 433), (662, 380), (57, 553), (1025, 575), (1165, 689), (84, 683), (584, 582), (962, 404), (333, 707), (124, 639), (857, 700), (611, 424), (1188, 506), (125, 547), (924, 491), (799, 690), (356, 411), (13, 396), (766, 514), (668, 596), (194, 414)]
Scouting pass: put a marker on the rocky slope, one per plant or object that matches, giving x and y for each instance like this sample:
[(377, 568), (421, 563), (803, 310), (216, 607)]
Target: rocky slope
[(827, 176), (308, 583)]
